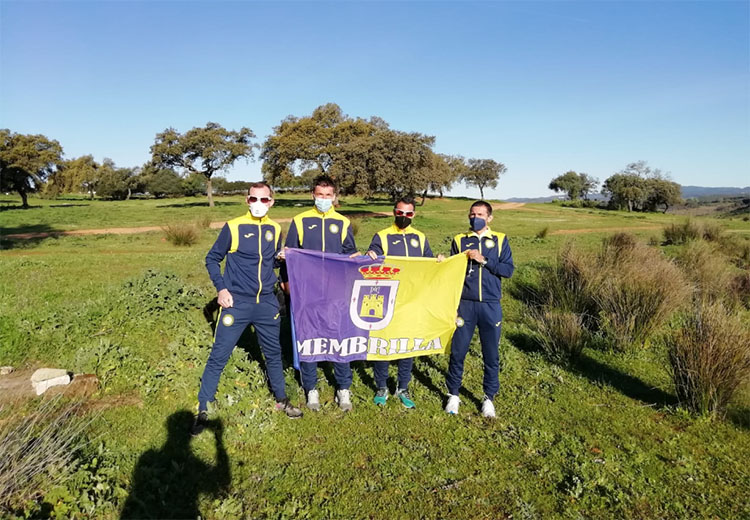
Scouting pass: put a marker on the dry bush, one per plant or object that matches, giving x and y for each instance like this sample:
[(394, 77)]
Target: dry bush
[(708, 270), (625, 292), (203, 222), (739, 288), (568, 285), (617, 244), (738, 249), (709, 357), (37, 448), (542, 233), (712, 231), (561, 334), (682, 233), (181, 234), (639, 290)]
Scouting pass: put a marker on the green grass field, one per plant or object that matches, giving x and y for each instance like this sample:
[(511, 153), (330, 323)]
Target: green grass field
[(601, 438)]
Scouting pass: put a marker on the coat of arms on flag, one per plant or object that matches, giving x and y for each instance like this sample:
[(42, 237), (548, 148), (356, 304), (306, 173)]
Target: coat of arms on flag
[(348, 309)]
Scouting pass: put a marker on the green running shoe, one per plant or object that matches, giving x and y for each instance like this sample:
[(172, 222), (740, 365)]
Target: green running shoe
[(405, 398), (381, 396)]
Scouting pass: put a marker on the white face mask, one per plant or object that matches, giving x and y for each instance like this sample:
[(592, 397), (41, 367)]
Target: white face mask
[(323, 205), (258, 209)]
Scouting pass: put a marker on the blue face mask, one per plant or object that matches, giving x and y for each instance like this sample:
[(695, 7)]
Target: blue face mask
[(323, 205), (477, 223)]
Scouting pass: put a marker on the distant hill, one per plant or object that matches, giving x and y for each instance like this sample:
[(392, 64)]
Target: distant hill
[(689, 192)]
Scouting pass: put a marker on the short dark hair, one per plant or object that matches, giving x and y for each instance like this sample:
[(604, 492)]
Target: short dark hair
[(324, 181), (482, 203), (260, 184), (407, 199)]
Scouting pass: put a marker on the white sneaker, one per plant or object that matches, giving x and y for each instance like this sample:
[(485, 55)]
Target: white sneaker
[(343, 397), (452, 406), (488, 409), (313, 400)]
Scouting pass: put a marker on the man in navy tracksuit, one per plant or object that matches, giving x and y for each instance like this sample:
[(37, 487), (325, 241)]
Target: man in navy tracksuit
[(250, 244), (490, 259), (322, 229), (399, 239)]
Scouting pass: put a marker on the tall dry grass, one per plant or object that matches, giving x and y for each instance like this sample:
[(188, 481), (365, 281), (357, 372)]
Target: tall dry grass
[(182, 234), (709, 354), (682, 233), (561, 334), (36, 449), (625, 291), (638, 292), (707, 269)]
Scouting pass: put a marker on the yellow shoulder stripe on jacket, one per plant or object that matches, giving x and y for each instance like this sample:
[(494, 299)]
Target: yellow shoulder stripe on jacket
[(234, 226), (500, 239)]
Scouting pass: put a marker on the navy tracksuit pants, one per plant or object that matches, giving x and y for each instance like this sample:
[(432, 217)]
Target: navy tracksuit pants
[(488, 316), (380, 371), (342, 372), (264, 316)]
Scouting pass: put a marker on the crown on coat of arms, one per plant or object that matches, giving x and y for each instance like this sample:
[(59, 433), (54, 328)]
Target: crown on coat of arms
[(379, 272)]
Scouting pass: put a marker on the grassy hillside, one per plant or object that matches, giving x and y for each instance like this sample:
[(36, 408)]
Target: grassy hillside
[(602, 437)]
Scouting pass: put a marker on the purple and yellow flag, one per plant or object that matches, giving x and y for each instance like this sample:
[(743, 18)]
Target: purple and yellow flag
[(349, 309)]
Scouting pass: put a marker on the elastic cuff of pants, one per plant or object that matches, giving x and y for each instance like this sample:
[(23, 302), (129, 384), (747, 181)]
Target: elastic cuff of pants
[(202, 407), (279, 399)]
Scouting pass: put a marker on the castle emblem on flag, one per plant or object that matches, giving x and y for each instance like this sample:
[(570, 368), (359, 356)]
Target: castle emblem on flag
[(372, 302)]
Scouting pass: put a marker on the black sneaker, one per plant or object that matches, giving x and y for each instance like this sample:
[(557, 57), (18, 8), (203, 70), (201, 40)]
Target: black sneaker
[(288, 408), (199, 424)]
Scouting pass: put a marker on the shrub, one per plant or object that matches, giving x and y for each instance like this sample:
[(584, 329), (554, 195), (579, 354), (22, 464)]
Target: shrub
[(36, 450), (626, 291), (738, 249), (709, 356), (712, 231), (682, 233), (158, 292), (640, 289), (708, 270), (739, 288), (542, 233), (181, 234), (203, 222), (560, 334), (616, 245), (569, 284)]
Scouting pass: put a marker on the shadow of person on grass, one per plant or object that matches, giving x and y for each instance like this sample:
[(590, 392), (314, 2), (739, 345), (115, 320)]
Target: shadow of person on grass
[(168, 482), (598, 372)]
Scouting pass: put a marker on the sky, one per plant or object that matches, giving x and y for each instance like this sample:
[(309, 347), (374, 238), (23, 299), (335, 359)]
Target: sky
[(543, 87)]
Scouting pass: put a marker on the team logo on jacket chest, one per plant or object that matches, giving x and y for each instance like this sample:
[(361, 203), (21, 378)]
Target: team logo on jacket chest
[(414, 242), (372, 302), (489, 243), (269, 236), (333, 228)]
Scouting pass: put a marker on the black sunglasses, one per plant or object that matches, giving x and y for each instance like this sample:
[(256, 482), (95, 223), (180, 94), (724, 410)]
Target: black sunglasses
[(264, 200)]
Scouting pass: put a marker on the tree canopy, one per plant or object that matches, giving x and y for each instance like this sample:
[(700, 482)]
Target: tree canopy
[(203, 151), (483, 173), (575, 185), (639, 187), (365, 156), (26, 161)]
